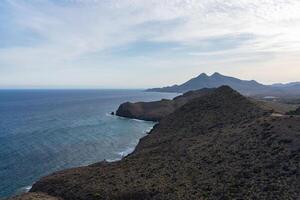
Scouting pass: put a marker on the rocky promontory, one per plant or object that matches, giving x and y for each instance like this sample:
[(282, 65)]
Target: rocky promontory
[(217, 146), (156, 110)]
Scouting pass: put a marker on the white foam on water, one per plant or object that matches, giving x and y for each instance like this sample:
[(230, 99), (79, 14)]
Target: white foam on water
[(127, 151), (23, 190), (27, 188), (121, 154), (148, 130), (113, 160), (109, 115), (127, 118), (138, 120)]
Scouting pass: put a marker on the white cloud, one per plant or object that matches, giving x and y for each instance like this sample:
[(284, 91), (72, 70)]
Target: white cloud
[(71, 30)]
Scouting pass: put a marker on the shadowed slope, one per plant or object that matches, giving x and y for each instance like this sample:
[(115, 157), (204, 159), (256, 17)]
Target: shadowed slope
[(156, 110), (295, 112)]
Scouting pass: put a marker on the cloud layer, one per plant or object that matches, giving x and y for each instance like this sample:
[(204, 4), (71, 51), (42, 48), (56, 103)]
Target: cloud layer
[(102, 43)]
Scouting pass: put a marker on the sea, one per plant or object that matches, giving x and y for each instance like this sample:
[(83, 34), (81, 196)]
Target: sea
[(43, 131)]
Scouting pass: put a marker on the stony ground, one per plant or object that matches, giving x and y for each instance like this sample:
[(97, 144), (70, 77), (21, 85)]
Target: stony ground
[(35, 196)]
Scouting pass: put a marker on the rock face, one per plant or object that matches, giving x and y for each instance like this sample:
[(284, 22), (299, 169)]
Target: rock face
[(218, 146), (155, 111)]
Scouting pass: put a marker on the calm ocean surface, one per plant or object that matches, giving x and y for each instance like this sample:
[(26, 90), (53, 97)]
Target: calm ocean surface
[(42, 131)]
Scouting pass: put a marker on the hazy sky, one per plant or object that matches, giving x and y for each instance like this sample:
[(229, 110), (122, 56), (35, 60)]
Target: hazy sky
[(146, 43)]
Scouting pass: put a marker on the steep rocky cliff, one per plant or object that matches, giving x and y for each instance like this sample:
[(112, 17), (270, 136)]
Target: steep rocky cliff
[(155, 111)]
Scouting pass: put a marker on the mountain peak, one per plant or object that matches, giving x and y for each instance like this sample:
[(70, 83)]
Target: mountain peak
[(246, 87), (202, 75), (225, 88), (216, 74)]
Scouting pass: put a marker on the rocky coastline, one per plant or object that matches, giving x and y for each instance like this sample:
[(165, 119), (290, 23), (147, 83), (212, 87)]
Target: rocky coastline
[(220, 145), (156, 110)]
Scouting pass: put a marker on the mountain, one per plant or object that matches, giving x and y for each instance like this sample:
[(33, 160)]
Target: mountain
[(214, 81), (217, 146), (290, 88), (156, 110), (248, 88), (282, 85)]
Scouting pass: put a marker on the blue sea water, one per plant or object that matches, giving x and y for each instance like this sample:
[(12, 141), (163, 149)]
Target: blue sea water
[(42, 131)]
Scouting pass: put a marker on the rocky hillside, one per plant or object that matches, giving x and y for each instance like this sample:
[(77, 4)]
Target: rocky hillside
[(35, 196), (218, 146), (155, 111), (295, 112)]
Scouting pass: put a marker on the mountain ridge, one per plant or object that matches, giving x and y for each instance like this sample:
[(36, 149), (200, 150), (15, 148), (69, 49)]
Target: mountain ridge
[(155, 111), (246, 87)]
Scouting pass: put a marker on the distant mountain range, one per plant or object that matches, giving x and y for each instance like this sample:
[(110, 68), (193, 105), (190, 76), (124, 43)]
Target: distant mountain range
[(249, 88)]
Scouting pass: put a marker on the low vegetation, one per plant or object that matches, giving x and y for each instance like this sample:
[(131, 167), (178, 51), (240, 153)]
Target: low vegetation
[(218, 146)]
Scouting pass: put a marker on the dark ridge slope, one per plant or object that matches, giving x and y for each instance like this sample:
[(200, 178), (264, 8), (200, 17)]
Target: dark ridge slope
[(155, 111), (222, 107), (219, 146), (294, 112)]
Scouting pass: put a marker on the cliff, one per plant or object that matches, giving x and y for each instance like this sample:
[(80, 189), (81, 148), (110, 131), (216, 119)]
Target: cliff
[(155, 111), (217, 146)]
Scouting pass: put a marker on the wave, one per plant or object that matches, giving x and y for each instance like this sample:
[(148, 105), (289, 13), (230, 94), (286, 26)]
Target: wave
[(113, 160), (138, 120), (148, 130), (23, 190), (127, 151), (27, 188), (121, 154), (109, 115), (126, 118)]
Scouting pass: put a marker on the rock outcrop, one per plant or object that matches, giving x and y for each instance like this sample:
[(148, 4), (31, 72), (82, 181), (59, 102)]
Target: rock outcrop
[(217, 146), (155, 111), (294, 112)]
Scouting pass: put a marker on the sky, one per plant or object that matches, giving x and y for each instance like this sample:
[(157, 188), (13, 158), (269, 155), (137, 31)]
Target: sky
[(146, 43)]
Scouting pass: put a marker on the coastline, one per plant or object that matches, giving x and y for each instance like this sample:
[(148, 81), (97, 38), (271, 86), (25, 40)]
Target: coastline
[(209, 148), (130, 149), (127, 151)]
